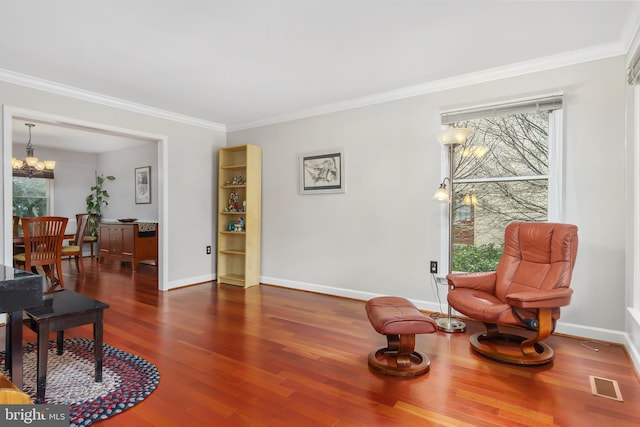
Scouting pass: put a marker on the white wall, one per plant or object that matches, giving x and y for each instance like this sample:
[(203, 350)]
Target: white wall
[(121, 164), (632, 214), (379, 236), (190, 177)]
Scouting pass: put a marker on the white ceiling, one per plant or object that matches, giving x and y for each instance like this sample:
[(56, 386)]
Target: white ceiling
[(242, 62)]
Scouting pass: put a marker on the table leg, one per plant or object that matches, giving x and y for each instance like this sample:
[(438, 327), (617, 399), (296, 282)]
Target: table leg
[(13, 352), (60, 342), (97, 343), (7, 344), (43, 353)]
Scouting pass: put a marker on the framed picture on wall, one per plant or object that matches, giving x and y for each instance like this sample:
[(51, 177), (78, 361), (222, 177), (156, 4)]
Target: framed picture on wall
[(143, 185), (322, 172)]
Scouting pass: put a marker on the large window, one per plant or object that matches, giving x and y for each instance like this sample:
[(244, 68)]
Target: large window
[(501, 175), (31, 196)]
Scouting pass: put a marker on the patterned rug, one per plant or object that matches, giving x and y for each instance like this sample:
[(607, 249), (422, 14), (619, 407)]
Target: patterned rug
[(126, 380)]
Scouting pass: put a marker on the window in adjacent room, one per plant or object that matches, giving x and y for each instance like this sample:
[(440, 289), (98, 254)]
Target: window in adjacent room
[(31, 196), (506, 171)]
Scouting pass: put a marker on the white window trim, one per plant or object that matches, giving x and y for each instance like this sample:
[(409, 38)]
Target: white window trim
[(556, 206), (555, 197), (635, 297), (50, 197)]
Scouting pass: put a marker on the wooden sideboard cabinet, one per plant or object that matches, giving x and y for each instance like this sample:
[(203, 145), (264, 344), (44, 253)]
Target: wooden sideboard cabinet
[(126, 242)]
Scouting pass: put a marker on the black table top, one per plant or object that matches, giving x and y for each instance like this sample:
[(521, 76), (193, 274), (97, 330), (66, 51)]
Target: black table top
[(64, 302)]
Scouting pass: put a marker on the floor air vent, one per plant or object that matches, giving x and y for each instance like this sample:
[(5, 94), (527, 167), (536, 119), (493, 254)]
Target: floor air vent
[(605, 387)]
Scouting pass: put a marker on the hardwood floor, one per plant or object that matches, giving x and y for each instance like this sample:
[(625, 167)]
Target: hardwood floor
[(269, 356)]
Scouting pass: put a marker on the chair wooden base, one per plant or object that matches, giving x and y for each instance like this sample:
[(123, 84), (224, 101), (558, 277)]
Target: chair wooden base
[(385, 361), (511, 349)]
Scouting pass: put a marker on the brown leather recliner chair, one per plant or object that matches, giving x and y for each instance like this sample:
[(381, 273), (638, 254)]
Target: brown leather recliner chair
[(527, 289)]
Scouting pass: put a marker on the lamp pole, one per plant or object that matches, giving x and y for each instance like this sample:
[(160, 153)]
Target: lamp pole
[(448, 324)]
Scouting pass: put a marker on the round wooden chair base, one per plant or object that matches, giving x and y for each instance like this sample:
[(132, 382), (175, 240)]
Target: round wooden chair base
[(383, 361), (505, 348)]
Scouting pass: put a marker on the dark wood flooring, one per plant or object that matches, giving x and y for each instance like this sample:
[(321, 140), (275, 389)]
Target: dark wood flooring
[(269, 356)]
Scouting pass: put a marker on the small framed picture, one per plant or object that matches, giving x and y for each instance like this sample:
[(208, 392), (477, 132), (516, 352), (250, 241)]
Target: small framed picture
[(322, 172), (143, 185)]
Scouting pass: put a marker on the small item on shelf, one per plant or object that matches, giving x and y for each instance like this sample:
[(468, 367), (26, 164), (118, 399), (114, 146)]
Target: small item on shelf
[(239, 225), (233, 202), (127, 219), (238, 180), (231, 226)]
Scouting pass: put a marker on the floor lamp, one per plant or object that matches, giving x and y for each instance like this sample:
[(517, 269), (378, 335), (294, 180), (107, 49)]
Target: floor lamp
[(450, 138)]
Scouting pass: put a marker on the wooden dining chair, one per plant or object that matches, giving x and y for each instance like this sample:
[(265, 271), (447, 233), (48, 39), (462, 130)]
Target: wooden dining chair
[(17, 247), (43, 237), (16, 225), (89, 237), (75, 248)]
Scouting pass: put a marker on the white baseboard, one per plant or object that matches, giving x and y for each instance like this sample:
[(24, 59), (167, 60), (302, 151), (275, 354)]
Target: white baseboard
[(590, 332), (345, 293), (190, 281)]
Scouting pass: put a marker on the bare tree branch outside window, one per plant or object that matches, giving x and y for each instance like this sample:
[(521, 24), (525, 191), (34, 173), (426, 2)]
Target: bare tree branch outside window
[(500, 176)]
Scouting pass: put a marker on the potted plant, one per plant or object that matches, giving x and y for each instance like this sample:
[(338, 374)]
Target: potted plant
[(97, 198)]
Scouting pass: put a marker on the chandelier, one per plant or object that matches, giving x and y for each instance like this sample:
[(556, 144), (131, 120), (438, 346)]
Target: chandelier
[(31, 166)]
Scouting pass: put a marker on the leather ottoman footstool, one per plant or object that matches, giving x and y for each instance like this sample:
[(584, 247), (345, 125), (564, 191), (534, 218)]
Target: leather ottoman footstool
[(399, 320)]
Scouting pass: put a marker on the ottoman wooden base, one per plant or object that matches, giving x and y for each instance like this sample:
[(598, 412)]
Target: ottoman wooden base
[(384, 361), (399, 321)]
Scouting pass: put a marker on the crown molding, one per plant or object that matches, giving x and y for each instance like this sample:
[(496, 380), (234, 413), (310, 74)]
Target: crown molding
[(541, 64), (97, 98), (629, 32)]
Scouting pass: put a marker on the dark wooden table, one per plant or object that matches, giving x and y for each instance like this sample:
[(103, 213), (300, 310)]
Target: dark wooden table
[(18, 290), (58, 311)]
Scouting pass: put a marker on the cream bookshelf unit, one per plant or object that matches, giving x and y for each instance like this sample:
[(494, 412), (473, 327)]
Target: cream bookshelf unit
[(239, 173)]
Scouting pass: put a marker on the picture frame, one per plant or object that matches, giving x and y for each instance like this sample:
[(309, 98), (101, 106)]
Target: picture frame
[(142, 182), (322, 172)]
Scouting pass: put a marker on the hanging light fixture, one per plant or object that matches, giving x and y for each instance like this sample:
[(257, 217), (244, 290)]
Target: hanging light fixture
[(30, 166)]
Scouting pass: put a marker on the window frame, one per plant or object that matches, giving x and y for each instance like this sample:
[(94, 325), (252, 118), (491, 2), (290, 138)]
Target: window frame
[(556, 207), (49, 197), (635, 297)]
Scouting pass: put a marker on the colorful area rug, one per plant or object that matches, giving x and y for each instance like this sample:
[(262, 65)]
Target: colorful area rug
[(126, 380)]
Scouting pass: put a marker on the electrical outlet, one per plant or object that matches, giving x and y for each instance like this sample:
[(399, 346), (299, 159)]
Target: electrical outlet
[(208, 250), (433, 267)]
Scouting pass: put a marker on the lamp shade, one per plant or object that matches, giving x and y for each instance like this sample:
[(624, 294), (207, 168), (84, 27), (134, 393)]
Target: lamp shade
[(454, 136), (441, 194)]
